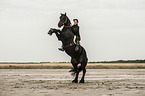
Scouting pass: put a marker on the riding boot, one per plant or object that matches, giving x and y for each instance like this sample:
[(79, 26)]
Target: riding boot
[(77, 46)]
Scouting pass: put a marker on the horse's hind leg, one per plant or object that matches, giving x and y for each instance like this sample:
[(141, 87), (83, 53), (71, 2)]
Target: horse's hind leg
[(75, 63), (83, 65), (84, 72), (76, 78)]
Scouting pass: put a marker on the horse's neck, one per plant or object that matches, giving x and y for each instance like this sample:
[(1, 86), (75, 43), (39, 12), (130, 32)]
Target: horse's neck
[(67, 32), (67, 25), (65, 28), (67, 35)]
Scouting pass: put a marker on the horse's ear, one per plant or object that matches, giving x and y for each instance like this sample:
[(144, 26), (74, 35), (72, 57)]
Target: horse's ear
[(65, 14), (60, 13)]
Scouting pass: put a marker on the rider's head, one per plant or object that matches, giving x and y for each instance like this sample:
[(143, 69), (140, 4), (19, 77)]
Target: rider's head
[(75, 21)]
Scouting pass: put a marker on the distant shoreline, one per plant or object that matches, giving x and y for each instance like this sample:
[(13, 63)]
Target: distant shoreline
[(69, 66), (116, 61)]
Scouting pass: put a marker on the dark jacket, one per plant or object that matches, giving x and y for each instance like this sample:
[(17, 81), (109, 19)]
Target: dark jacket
[(75, 30)]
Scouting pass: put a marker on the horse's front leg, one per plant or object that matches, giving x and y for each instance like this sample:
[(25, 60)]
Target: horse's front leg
[(58, 35), (56, 31), (50, 32)]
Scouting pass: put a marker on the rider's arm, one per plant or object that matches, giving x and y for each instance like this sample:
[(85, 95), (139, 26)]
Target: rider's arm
[(78, 38)]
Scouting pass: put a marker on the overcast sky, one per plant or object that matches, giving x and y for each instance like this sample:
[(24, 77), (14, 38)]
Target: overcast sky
[(110, 29)]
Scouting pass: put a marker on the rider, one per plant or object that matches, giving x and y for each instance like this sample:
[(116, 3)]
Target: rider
[(75, 30)]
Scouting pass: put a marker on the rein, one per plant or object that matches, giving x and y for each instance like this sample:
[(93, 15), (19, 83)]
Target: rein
[(64, 21), (67, 26), (71, 44)]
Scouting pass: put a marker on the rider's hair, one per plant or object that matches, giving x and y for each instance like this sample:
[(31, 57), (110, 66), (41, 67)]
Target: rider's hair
[(76, 20)]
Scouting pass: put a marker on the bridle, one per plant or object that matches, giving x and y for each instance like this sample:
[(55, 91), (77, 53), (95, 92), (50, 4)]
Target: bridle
[(65, 22)]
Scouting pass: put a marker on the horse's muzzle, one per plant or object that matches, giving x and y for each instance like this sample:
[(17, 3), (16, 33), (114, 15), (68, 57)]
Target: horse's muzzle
[(60, 24)]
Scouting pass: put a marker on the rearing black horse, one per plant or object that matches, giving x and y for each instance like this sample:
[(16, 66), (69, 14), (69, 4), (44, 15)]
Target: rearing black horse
[(67, 36)]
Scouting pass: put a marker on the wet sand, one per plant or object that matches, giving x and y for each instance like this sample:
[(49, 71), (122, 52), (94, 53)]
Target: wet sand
[(57, 82)]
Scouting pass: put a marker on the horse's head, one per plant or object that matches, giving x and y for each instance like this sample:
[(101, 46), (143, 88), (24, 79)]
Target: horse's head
[(63, 20)]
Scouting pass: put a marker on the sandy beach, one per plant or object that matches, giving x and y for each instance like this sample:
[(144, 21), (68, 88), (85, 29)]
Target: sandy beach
[(57, 82)]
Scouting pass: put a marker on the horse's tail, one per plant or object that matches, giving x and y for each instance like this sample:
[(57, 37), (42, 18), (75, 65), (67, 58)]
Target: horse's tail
[(74, 71)]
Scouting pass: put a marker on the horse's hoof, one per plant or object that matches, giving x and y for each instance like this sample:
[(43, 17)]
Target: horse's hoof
[(75, 81), (82, 81)]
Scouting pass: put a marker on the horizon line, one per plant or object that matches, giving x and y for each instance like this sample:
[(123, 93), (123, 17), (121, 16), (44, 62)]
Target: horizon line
[(63, 61)]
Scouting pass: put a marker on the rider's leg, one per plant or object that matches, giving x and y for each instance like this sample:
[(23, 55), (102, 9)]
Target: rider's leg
[(77, 45)]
